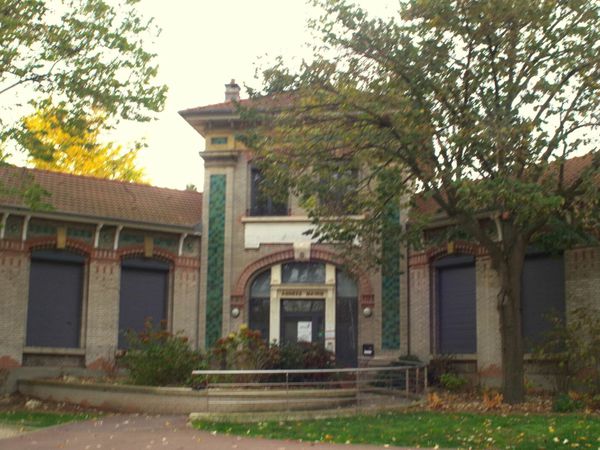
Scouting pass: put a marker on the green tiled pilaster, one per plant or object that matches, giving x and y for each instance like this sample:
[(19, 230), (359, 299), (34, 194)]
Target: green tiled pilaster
[(215, 255), (390, 289)]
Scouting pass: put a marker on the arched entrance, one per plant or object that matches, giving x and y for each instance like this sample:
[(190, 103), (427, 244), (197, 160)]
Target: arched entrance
[(306, 302)]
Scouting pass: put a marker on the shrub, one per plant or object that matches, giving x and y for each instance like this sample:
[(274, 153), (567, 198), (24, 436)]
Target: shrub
[(438, 366), (575, 348), (244, 350), (566, 403), (452, 382), (305, 355), (157, 357)]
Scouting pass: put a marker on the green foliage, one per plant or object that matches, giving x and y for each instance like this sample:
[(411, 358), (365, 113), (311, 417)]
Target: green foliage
[(438, 366), (574, 347), (245, 349), (453, 382), (479, 107), (88, 54), (432, 430), (304, 355), (564, 403), (157, 357)]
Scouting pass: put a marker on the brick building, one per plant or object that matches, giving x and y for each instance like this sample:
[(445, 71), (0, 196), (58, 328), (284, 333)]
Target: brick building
[(108, 254)]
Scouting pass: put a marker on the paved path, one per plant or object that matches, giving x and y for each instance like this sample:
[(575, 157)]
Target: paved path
[(133, 432)]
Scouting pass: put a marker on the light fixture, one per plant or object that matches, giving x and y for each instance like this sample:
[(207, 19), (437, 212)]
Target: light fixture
[(235, 312), (367, 312)]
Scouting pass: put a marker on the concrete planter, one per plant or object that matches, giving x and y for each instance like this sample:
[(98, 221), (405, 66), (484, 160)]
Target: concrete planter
[(174, 400)]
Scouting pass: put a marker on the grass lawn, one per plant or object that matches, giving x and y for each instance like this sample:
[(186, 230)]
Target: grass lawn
[(430, 429), (34, 419)]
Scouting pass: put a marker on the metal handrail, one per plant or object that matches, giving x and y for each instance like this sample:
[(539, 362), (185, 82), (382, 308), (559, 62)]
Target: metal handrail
[(305, 371), (363, 387)]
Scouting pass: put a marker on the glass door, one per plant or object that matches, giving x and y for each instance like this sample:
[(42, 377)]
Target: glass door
[(302, 321)]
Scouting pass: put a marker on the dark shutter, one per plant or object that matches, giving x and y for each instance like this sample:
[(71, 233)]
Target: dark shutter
[(457, 330), (55, 299), (144, 288), (542, 296)]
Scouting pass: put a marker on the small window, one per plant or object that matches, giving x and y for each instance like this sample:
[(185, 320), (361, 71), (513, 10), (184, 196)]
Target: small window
[(338, 191), (542, 296), (218, 140), (303, 272), (261, 203)]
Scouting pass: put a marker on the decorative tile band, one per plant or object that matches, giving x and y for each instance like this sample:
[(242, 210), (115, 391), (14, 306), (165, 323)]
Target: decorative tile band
[(215, 259), (390, 290)]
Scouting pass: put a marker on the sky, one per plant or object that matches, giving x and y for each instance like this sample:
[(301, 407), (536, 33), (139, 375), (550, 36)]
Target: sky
[(203, 45)]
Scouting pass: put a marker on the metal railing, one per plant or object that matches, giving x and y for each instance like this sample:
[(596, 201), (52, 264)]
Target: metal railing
[(311, 389)]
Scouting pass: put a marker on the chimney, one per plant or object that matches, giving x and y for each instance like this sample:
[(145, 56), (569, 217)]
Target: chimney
[(232, 91)]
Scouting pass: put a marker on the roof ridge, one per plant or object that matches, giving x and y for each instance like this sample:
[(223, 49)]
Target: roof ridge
[(92, 177)]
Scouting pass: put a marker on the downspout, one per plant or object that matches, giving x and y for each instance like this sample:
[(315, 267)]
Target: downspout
[(97, 235), (181, 239), (198, 298), (3, 225), (117, 235), (25, 227)]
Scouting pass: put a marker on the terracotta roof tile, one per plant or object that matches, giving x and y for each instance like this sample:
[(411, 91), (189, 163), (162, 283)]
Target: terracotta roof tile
[(273, 101), (107, 199)]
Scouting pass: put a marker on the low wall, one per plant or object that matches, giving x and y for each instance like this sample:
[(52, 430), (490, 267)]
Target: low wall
[(165, 400)]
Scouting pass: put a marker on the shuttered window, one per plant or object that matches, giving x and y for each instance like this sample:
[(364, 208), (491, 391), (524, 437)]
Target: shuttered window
[(542, 296), (144, 291), (55, 299), (457, 327)]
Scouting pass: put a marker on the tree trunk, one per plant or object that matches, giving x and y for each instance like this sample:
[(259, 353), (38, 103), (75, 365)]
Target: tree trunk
[(509, 306)]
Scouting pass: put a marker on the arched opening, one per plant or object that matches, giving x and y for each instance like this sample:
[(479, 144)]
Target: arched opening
[(306, 302), (260, 291)]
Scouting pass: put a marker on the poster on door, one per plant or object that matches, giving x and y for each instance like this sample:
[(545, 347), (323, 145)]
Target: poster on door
[(304, 331)]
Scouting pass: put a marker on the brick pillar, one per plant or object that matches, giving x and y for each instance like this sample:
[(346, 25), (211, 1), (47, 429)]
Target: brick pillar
[(420, 308), (489, 352), (102, 309), (582, 278), (185, 298), (14, 292)]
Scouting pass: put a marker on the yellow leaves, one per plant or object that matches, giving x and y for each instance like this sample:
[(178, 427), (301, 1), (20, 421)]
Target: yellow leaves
[(434, 401), (492, 400), (76, 148)]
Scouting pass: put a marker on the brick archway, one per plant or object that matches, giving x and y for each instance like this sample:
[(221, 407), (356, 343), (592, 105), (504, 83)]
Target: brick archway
[(459, 247), (317, 253), (49, 243), (138, 250)]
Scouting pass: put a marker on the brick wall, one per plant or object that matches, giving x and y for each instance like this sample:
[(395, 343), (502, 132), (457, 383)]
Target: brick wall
[(14, 288), (102, 308), (582, 278)]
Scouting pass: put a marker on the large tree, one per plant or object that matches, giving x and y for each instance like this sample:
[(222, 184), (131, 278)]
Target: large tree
[(79, 150), (480, 107), (88, 54)]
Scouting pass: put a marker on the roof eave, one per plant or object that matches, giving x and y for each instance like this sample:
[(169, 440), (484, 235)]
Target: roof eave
[(74, 217)]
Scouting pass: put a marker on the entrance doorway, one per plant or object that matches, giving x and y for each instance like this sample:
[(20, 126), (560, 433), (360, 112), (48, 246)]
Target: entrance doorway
[(302, 321)]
